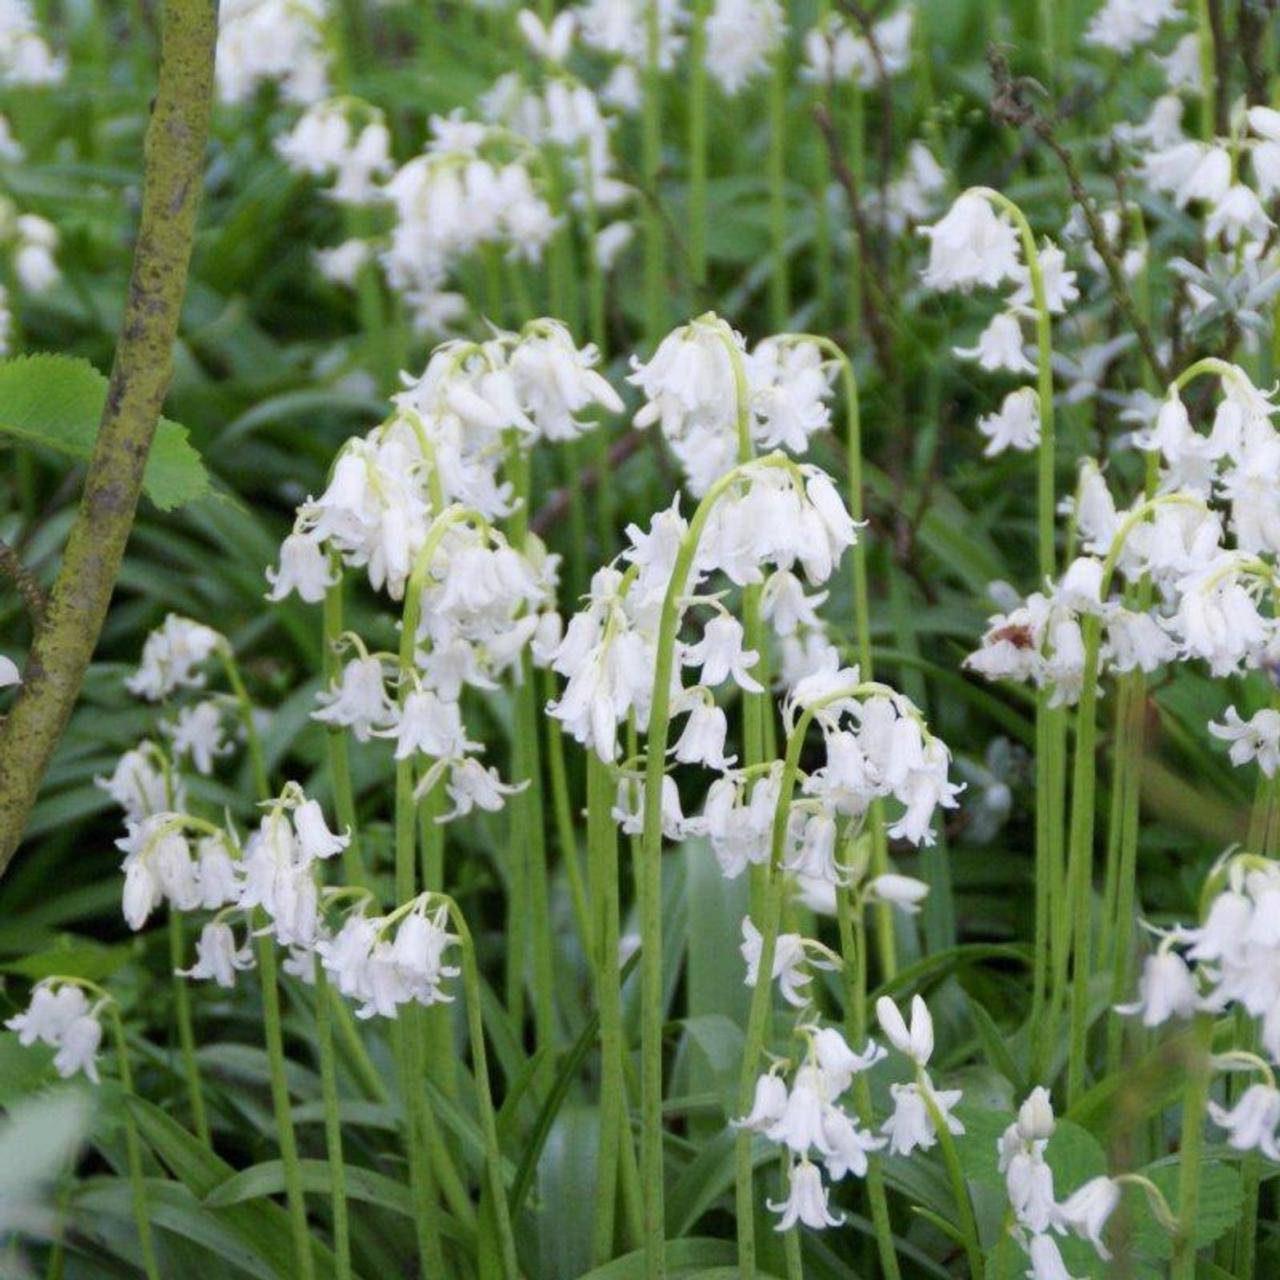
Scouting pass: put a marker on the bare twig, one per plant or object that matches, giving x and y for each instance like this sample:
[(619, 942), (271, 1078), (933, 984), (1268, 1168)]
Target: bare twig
[(557, 506), (1009, 106), (873, 298), (174, 153), (27, 585)]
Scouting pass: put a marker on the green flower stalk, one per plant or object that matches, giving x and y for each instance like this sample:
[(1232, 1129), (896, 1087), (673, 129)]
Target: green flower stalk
[(649, 876), (1050, 753), (133, 1143), (272, 1023), (761, 996)]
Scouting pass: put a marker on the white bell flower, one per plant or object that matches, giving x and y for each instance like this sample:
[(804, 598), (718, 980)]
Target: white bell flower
[(217, 956), (838, 1062), (741, 37), (1251, 1123), (916, 1042), (358, 699), (806, 1201), (903, 892), (999, 346), (1046, 1258), (198, 733), (847, 1145), (169, 658), (304, 568), (910, 1126), (720, 654), (768, 1104), (1257, 738), (78, 1048), (1086, 1210), (314, 837), (1015, 426), (788, 962), (703, 738), (1167, 989), (53, 1008), (971, 245)]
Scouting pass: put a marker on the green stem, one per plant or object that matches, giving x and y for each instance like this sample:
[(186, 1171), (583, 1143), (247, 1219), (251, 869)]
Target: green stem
[(853, 951), (761, 995), (649, 878), (538, 903), (698, 143), (562, 812), (955, 1173), (1050, 723), (1183, 1266), (1208, 71), (332, 1123), (614, 1126), (651, 161), (186, 1031), (336, 742), (484, 1097), (174, 149), (133, 1145), (272, 1024), (779, 280), (273, 1033)]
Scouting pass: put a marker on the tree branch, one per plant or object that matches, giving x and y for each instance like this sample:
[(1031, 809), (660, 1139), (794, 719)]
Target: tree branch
[(26, 584), (1008, 106), (174, 154)]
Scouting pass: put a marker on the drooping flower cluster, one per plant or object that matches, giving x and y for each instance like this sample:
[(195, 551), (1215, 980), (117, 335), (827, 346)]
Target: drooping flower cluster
[(804, 1115), (1029, 1183), (834, 53), (770, 516), (702, 378), (382, 972), (170, 658), (280, 42), (25, 57), (341, 139), (60, 1016), (973, 245), (741, 37), (470, 190)]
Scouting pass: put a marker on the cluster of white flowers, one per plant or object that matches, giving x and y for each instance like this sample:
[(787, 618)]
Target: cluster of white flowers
[(804, 1114), (805, 1117), (835, 54), (170, 658), (1121, 26), (384, 973), (769, 517), (741, 37), (1210, 596), (426, 483), (1211, 176), (973, 245), (61, 1017), (471, 189), (1235, 965), (342, 139), (280, 42), (25, 57), (28, 242), (1029, 1183), (701, 374)]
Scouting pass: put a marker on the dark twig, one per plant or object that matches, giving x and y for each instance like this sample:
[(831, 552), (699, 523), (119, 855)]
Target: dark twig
[(874, 297), (557, 506), (28, 586), (1009, 106)]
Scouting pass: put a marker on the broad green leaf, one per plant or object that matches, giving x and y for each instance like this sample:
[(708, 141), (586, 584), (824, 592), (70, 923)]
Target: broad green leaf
[(57, 400), (172, 1207), (684, 1258), (1219, 1206), (262, 1225)]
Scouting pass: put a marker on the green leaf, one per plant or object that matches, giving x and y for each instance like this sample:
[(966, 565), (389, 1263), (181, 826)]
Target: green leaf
[(1219, 1207), (262, 1225), (56, 401), (684, 1258)]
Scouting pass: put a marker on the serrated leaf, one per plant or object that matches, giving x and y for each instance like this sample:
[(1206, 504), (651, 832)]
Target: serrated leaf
[(56, 401)]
